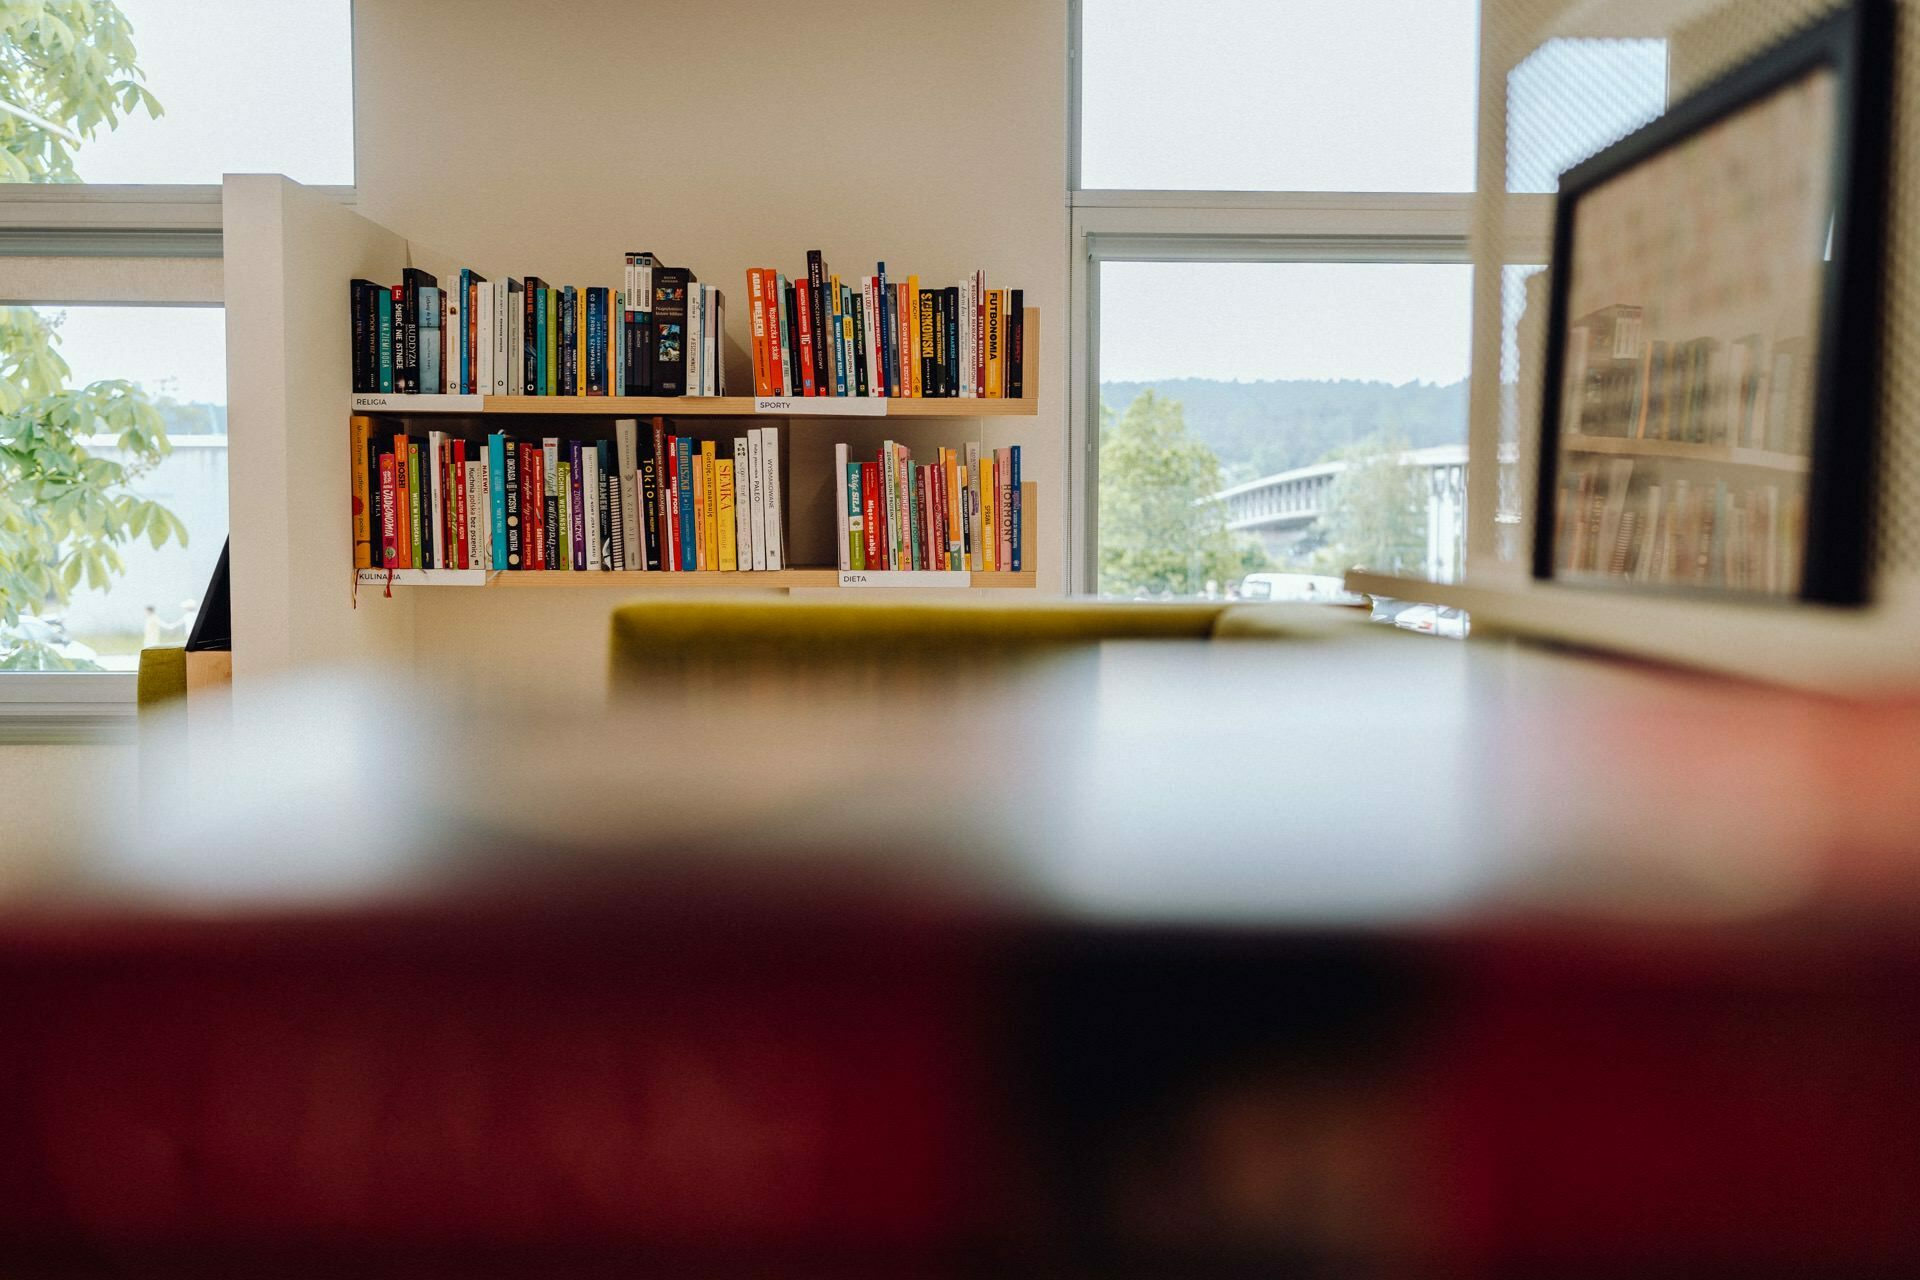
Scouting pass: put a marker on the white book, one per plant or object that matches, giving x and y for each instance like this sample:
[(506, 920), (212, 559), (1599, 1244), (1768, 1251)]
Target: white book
[(502, 327), (693, 343), (742, 509), (974, 520), (590, 502), (626, 450), (839, 491), (550, 462), (718, 364), (770, 450), (890, 500), (517, 343), (430, 459), (757, 498)]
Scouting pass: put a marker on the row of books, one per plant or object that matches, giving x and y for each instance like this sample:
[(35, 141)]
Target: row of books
[(883, 336), (1748, 393), (659, 333), (645, 500), (1640, 526), (957, 512)]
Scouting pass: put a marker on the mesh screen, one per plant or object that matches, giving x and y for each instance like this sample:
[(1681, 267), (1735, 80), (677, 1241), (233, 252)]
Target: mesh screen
[(1564, 78)]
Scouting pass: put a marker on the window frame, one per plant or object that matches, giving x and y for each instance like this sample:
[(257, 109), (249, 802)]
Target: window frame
[(112, 244), (1143, 225)]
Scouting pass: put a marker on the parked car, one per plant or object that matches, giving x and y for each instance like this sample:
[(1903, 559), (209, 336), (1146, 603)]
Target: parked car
[(1310, 588), (1434, 620)]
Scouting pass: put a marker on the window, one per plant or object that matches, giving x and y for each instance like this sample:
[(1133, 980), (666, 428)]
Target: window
[(240, 88), (1249, 95), (118, 119), (1271, 208)]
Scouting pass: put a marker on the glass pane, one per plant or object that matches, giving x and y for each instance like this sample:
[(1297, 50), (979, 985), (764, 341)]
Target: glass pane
[(240, 87), (113, 460), (1571, 97), (1249, 95), (1308, 419)]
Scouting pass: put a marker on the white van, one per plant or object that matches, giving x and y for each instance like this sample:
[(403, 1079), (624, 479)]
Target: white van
[(1299, 588)]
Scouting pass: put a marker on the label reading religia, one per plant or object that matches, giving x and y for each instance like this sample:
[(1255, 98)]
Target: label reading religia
[(919, 579), (824, 406), (419, 403)]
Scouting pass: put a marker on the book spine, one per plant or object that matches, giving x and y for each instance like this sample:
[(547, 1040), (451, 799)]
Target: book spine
[(1002, 508), (840, 508), (551, 535), (890, 503), (757, 498), (652, 462), (853, 516), (626, 436), (418, 513), (480, 503), (360, 434), (991, 385), (956, 522), (389, 514), (916, 515), (357, 291), (406, 340), (688, 530), (703, 556), (781, 303), (770, 460), (742, 506), (957, 357), (1016, 322), (803, 301), (503, 293), (874, 375), (848, 346), (815, 312), (911, 306), (587, 484), (1014, 497), (870, 521), (577, 491), (497, 499), (385, 332), (506, 504), (976, 494), (596, 380), (929, 386), (978, 312), (727, 521), (837, 322), (670, 506), (670, 336), (469, 546), (756, 303), (937, 526), (881, 310)]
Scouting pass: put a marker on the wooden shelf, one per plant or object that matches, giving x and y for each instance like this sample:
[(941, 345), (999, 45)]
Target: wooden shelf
[(836, 408), (781, 580), (1686, 451)]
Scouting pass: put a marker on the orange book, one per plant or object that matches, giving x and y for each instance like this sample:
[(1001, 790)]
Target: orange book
[(403, 522), (956, 537), (756, 305)]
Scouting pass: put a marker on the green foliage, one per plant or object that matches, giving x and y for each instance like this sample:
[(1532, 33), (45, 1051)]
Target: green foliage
[(1376, 514), (64, 513), (70, 61), (1161, 529), (1259, 428)]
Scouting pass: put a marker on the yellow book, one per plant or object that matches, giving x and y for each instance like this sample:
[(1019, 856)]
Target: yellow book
[(989, 518), (580, 344), (913, 336), (723, 487), (956, 537), (363, 496), (996, 305), (699, 513), (710, 522)]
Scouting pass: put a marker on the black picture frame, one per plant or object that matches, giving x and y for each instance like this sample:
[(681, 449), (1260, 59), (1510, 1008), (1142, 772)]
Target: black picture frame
[(1856, 45)]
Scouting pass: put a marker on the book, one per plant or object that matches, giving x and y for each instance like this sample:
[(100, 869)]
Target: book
[(770, 461), (1003, 506), (1014, 497), (1016, 321), (757, 498), (589, 487), (742, 506), (418, 530), (853, 507), (670, 286), (976, 515), (651, 448), (553, 533), (383, 330), (686, 530), (726, 518), (841, 514), (816, 310), (360, 435)]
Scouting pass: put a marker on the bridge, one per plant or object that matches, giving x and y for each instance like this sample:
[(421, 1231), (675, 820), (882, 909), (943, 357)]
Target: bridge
[(1280, 508)]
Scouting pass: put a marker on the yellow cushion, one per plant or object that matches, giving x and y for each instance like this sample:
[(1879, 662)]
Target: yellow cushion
[(163, 676), (659, 637)]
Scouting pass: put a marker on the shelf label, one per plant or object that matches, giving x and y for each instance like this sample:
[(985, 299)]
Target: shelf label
[(920, 579), (824, 406), (363, 403), (422, 577)]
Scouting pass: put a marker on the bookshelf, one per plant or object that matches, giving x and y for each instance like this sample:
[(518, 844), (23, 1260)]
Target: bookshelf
[(832, 407), (809, 577)]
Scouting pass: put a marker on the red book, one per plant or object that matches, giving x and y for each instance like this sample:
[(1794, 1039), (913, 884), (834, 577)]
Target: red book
[(804, 308), (670, 520), (460, 504), (389, 515), (929, 517), (870, 515), (757, 318), (533, 542), (937, 487), (770, 304)]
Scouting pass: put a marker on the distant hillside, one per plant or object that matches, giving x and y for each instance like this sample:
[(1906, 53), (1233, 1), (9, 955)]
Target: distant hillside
[(1258, 428)]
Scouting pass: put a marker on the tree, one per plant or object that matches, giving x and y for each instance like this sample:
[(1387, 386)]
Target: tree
[(64, 513), (1162, 530), (1376, 516)]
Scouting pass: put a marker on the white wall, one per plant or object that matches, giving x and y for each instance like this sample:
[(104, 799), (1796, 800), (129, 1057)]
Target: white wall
[(549, 139)]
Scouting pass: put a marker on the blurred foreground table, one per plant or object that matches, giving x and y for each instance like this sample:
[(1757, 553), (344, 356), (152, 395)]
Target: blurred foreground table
[(1354, 953)]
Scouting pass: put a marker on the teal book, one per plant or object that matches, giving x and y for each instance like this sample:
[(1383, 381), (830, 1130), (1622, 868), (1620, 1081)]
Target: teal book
[(1015, 478), (386, 340), (856, 537), (497, 482), (689, 547), (540, 345)]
